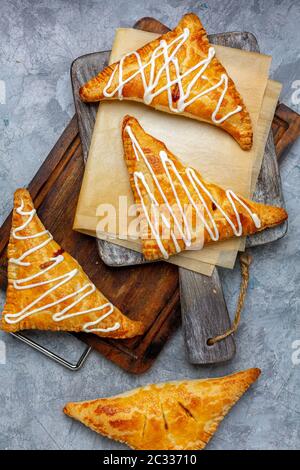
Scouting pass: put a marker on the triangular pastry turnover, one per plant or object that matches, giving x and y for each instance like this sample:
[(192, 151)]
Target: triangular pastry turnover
[(178, 208), (177, 73), (181, 415), (47, 289)]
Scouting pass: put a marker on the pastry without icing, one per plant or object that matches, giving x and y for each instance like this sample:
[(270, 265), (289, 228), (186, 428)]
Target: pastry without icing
[(48, 289), (178, 208), (181, 415), (177, 73)]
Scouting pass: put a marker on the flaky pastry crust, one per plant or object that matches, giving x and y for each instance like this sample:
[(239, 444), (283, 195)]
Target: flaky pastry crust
[(151, 147), (182, 415), (20, 296), (194, 50)]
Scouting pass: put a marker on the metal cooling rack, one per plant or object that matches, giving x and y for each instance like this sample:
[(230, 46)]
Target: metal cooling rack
[(55, 357)]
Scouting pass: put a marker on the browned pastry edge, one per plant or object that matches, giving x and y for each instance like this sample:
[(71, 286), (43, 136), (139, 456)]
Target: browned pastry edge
[(180, 415), (17, 299), (242, 131), (268, 215)]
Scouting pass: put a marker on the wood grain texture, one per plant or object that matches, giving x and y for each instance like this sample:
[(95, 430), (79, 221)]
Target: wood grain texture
[(204, 315), (269, 178), (55, 189), (286, 128), (148, 292)]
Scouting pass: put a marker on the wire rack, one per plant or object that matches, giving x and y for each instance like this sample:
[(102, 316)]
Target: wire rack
[(52, 355)]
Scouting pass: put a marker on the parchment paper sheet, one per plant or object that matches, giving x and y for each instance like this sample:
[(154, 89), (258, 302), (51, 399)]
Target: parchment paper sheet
[(210, 150), (268, 109)]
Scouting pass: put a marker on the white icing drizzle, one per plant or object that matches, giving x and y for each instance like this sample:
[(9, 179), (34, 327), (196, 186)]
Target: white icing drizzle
[(170, 59), (21, 284), (199, 188)]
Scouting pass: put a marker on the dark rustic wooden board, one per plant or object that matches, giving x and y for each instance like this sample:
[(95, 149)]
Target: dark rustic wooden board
[(55, 190), (200, 312), (286, 128), (149, 292)]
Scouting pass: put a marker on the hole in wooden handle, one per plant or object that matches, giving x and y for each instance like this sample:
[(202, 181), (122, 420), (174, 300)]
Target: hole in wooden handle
[(210, 342)]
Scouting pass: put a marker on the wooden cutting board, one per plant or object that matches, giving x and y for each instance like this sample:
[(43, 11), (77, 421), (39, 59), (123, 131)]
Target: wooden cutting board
[(149, 292), (203, 307)]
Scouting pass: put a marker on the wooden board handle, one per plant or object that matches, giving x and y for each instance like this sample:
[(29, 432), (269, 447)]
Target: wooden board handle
[(203, 308), (204, 315)]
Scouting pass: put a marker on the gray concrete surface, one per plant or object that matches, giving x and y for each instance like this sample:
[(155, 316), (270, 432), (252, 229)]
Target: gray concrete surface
[(38, 41)]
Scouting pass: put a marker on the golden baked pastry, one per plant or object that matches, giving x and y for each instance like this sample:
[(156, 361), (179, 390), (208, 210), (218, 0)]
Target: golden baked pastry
[(181, 415), (177, 73), (178, 208), (48, 289)]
